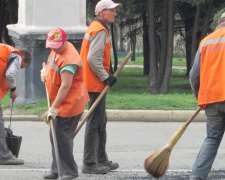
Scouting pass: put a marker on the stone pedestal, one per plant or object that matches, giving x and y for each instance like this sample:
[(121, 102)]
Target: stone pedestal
[(35, 19)]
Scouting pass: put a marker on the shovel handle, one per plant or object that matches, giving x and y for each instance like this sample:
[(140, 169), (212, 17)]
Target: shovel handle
[(101, 95)]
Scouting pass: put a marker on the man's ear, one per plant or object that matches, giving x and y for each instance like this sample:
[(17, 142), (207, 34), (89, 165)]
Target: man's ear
[(219, 21), (24, 65)]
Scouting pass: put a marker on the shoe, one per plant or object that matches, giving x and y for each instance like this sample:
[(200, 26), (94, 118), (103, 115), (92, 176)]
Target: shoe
[(13, 161), (95, 169), (110, 164), (50, 176), (68, 177)]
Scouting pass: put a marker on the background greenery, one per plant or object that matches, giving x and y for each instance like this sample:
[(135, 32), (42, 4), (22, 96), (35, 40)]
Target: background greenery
[(130, 92)]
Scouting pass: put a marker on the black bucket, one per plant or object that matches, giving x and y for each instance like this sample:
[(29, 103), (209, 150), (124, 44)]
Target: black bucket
[(13, 144)]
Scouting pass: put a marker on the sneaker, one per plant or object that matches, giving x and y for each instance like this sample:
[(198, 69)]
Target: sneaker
[(50, 176), (13, 161), (110, 164), (94, 169)]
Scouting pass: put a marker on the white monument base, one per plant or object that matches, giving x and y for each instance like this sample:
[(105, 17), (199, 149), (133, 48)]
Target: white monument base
[(35, 19)]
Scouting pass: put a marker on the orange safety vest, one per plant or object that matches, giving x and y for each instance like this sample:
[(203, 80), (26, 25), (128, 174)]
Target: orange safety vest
[(77, 97), (93, 83), (5, 51), (212, 68)]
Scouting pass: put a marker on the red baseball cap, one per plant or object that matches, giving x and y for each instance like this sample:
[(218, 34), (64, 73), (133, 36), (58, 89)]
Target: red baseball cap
[(55, 38)]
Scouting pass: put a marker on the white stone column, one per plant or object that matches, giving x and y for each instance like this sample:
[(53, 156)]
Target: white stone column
[(35, 19)]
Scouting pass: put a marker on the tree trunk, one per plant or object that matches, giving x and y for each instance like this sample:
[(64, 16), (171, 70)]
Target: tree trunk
[(164, 41), (121, 39), (165, 86), (8, 15), (206, 21), (2, 17), (13, 11), (194, 42), (188, 52), (152, 50), (145, 45), (133, 46), (128, 42)]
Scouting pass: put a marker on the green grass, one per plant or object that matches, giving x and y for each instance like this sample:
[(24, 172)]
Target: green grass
[(131, 92), (139, 61), (179, 62)]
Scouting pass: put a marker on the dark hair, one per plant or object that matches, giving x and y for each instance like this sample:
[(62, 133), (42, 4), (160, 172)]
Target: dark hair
[(27, 56)]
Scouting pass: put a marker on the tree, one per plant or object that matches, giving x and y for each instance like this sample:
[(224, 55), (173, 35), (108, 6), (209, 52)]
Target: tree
[(165, 85), (8, 15), (152, 41), (156, 20), (197, 16), (145, 43), (161, 65)]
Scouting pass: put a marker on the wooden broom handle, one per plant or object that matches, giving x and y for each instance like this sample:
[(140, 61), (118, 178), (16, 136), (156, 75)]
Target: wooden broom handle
[(43, 66), (101, 95), (192, 117), (59, 168)]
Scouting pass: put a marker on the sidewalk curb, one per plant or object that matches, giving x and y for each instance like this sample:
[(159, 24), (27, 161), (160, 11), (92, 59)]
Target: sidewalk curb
[(131, 116)]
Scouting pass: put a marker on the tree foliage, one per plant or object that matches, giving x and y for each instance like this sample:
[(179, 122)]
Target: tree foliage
[(8, 15), (157, 21)]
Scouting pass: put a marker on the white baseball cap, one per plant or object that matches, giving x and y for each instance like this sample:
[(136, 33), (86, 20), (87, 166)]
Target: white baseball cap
[(106, 4), (222, 16)]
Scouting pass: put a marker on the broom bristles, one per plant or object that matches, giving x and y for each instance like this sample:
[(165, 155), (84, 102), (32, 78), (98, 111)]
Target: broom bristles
[(157, 163)]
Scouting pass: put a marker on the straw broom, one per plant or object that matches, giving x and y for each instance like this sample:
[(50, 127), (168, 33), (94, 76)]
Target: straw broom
[(157, 163)]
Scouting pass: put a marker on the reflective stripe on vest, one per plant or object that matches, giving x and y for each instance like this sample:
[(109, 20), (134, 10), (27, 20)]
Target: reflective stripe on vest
[(93, 83), (5, 51), (77, 97), (212, 68)]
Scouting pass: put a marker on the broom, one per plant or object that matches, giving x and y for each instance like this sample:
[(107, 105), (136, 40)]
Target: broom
[(157, 163), (59, 167), (101, 95)]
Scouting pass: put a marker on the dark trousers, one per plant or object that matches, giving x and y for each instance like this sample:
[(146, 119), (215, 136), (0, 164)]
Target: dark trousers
[(5, 153), (95, 132), (64, 130)]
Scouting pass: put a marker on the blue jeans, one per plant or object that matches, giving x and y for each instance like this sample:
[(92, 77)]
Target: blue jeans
[(215, 129)]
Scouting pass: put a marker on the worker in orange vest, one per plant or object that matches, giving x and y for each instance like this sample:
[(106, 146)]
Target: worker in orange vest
[(207, 78), (68, 96), (11, 60), (95, 53)]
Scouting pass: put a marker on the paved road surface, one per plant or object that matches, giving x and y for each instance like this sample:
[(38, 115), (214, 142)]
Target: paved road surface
[(129, 143)]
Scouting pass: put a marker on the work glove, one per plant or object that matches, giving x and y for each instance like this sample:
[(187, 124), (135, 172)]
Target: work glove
[(111, 80), (44, 116), (52, 113), (43, 74)]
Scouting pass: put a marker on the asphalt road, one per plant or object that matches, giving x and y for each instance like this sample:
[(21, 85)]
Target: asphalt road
[(129, 144)]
